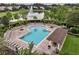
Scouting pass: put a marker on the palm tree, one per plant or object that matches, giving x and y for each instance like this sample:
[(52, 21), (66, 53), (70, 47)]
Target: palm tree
[(1, 41), (27, 51), (1, 45)]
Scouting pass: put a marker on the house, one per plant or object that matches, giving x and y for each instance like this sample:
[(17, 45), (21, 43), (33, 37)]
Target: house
[(34, 15), (2, 8)]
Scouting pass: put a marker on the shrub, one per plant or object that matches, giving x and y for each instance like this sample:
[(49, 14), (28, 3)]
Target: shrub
[(75, 30), (16, 16), (69, 25)]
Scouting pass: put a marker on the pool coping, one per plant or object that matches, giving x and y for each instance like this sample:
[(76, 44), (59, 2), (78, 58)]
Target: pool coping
[(35, 46), (47, 36)]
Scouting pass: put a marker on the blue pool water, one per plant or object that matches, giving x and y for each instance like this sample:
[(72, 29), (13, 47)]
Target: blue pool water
[(36, 35)]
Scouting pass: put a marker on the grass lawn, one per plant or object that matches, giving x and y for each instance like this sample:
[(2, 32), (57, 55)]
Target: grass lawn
[(4, 13), (71, 46), (13, 12)]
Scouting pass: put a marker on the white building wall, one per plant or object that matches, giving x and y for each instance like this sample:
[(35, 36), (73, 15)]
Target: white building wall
[(31, 15), (39, 16)]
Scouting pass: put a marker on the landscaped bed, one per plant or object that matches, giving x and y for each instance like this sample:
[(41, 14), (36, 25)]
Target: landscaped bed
[(71, 46)]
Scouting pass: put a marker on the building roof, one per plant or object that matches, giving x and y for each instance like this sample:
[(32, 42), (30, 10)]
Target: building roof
[(58, 35), (31, 15)]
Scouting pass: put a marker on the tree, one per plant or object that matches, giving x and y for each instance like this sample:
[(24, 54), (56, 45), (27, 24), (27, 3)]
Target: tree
[(58, 13), (5, 20), (27, 51), (16, 16), (47, 14), (9, 15), (61, 13), (23, 11), (73, 18), (3, 49)]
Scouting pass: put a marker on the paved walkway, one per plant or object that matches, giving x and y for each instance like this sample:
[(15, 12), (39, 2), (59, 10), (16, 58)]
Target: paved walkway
[(12, 37)]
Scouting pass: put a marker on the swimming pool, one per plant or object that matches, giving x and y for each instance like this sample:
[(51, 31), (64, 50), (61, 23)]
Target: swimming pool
[(36, 35)]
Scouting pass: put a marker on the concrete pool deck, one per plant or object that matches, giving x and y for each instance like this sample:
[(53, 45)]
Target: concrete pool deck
[(12, 37)]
